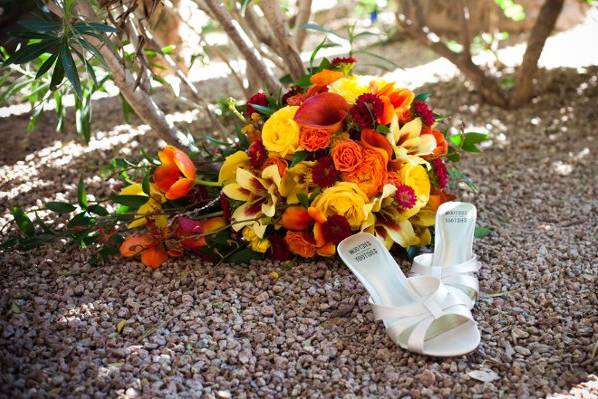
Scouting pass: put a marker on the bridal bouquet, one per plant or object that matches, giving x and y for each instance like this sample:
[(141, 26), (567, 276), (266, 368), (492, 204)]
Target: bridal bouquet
[(336, 154)]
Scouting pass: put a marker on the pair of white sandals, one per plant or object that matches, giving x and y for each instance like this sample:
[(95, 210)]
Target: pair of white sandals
[(430, 312)]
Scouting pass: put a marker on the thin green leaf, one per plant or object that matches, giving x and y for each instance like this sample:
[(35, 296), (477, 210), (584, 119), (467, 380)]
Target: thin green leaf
[(381, 58), (45, 67), (70, 70), (98, 210), (30, 52), (81, 219), (60, 207), (262, 109), (422, 96), (57, 75), (303, 199), (88, 27), (40, 25), (319, 28), (23, 222), (132, 201), (145, 185), (81, 194)]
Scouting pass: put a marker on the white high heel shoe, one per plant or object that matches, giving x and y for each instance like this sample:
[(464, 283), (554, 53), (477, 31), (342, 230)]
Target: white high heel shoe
[(453, 261), (419, 313)]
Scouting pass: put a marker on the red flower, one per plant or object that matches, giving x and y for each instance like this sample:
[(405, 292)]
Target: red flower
[(424, 111), (405, 196), (325, 111), (367, 109), (257, 99), (441, 172), (257, 154), (280, 249), (336, 228), (323, 172), (343, 60)]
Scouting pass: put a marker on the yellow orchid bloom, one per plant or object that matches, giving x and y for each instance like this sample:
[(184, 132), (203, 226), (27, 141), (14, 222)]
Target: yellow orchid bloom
[(407, 141), (297, 179), (152, 208), (385, 221), (260, 195), (228, 171)]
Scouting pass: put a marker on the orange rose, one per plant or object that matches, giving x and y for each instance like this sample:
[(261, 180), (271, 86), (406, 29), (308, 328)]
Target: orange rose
[(295, 218), (347, 155), (437, 198), (280, 162), (370, 174), (441, 144), (301, 243), (313, 139), (325, 77)]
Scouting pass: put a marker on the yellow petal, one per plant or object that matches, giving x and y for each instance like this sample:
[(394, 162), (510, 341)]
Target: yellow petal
[(411, 129), (133, 189), (236, 192), (230, 165)]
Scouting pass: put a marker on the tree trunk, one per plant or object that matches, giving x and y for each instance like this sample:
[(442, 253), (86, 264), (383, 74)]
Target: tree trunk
[(141, 102), (244, 45), (524, 89), (288, 50)]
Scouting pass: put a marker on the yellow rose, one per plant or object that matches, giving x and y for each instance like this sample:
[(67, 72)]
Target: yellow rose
[(345, 199), (350, 88), (228, 171), (416, 177), (280, 133)]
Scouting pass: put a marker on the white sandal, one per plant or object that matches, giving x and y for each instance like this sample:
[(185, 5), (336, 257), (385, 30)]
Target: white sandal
[(453, 261), (420, 313)]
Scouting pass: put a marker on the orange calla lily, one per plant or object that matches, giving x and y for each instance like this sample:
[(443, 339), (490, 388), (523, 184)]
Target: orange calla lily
[(176, 175), (437, 198), (323, 111)]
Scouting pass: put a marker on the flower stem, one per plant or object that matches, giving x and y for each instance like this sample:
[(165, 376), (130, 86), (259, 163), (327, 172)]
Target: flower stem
[(207, 183)]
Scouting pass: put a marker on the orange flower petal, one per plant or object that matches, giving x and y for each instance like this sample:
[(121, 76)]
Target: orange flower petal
[(154, 257), (317, 214), (325, 110), (372, 139), (327, 250), (212, 224), (325, 77), (319, 235), (166, 155), (165, 176), (185, 164), (401, 99), (135, 244), (179, 189), (388, 112), (295, 218)]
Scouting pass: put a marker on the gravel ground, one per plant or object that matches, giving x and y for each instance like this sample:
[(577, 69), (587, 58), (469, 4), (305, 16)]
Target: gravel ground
[(192, 330)]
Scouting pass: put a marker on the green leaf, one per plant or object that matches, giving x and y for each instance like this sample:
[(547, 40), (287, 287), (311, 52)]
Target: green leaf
[(303, 199), (299, 156), (467, 141), (262, 109), (40, 25), (132, 201), (30, 52), (57, 75), (244, 256), (81, 194), (70, 70), (23, 222), (304, 81), (88, 27), (422, 96), (98, 210), (243, 141), (60, 207), (379, 57), (319, 28), (83, 115), (45, 67), (145, 185), (81, 219), (481, 232), (382, 129)]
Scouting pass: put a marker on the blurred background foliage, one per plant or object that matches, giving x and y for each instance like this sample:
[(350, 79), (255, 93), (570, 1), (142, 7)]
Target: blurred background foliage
[(63, 53)]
